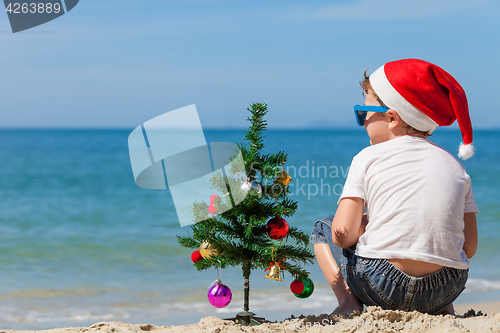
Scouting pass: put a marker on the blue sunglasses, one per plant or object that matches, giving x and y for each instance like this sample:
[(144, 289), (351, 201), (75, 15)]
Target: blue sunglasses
[(361, 110)]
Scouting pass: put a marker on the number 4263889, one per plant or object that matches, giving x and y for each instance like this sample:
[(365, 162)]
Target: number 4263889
[(40, 8)]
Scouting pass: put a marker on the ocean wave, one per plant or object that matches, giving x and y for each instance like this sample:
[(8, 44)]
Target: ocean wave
[(475, 285)]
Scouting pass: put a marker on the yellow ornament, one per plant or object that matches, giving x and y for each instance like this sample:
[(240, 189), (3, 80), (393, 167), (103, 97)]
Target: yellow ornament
[(284, 178), (206, 250), (274, 272)]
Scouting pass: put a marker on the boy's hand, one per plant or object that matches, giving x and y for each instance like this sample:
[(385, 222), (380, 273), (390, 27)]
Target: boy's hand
[(364, 222)]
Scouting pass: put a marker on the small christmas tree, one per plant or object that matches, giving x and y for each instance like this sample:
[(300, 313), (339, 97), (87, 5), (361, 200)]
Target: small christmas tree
[(250, 234)]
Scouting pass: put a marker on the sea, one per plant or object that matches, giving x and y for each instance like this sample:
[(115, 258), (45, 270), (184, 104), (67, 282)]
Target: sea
[(81, 243)]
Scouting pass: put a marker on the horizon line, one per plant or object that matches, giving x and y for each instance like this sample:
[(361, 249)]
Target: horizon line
[(212, 128)]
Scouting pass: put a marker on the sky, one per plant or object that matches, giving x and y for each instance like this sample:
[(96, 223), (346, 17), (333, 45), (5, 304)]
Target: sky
[(119, 63)]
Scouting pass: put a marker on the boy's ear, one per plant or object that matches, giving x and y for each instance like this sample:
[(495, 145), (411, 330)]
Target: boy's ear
[(394, 118)]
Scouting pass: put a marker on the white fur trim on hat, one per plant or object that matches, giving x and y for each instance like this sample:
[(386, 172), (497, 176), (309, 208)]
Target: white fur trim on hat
[(465, 151), (410, 114)]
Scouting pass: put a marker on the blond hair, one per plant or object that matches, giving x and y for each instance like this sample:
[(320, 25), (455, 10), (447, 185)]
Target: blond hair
[(367, 86)]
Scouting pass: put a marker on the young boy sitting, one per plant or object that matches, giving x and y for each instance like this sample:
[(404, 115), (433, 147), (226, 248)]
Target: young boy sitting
[(410, 250)]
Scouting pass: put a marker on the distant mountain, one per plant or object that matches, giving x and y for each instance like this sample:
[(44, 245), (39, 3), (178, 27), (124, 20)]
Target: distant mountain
[(324, 123)]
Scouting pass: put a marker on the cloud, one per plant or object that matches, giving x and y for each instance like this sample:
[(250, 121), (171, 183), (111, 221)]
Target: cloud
[(378, 10)]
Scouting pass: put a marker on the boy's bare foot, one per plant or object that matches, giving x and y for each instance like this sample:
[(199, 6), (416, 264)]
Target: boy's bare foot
[(347, 301), (349, 304), (448, 310)]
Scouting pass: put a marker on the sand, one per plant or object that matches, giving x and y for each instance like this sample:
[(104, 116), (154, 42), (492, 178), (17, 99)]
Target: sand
[(373, 319)]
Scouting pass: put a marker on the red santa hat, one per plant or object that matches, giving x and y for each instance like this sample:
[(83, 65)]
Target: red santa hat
[(425, 96)]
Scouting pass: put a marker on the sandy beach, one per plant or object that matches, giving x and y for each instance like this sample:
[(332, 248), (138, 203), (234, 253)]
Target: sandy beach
[(478, 317)]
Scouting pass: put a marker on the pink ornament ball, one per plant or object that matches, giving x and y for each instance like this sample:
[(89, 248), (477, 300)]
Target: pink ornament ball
[(297, 287), (196, 256), (219, 295)]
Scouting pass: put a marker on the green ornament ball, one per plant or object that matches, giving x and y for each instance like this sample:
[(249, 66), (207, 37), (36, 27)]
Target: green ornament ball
[(308, 288)]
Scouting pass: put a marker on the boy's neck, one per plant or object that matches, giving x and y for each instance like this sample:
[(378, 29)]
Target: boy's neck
[(402, 131), (392, 137)]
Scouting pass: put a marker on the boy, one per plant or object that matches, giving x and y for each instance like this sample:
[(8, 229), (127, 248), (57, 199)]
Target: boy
[(410, 250)]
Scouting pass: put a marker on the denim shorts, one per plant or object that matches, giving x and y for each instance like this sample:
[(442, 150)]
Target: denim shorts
[(378, 282)]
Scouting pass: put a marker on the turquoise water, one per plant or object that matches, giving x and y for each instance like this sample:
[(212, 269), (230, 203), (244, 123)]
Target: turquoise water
[(81, 243)]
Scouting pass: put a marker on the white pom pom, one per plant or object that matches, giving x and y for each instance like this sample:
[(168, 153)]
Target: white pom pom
[(465, 151)]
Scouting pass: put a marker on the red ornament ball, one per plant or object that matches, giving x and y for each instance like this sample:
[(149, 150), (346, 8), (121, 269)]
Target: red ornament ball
[(297, 287), (308, 288), (277, 228), (196, 256)]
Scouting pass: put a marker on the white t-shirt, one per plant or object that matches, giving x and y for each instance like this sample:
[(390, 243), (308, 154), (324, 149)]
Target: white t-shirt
[(416, 194)]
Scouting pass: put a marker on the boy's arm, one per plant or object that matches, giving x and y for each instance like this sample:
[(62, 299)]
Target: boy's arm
[(349, 222), (470, 233)]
